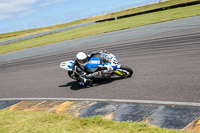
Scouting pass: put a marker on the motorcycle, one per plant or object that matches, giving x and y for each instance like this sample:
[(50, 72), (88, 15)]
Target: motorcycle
[(96, 62)]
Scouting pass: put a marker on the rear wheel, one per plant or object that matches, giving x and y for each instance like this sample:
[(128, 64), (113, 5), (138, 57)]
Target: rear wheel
[(127, 71)]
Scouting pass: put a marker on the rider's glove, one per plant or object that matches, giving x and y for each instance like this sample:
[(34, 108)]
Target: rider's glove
[(103, 51), (93, 53)]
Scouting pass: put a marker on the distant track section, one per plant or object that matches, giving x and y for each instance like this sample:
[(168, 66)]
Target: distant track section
[(45, 33)]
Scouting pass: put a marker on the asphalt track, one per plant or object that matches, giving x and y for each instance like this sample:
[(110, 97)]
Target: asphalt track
[(166, 68)]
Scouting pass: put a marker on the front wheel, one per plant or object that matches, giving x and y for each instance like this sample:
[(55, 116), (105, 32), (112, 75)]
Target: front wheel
[(127, 71)]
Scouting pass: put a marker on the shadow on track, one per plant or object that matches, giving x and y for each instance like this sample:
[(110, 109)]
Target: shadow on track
[(74, 85)]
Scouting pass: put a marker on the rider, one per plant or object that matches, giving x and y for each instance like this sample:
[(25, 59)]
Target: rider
[(80, 72)]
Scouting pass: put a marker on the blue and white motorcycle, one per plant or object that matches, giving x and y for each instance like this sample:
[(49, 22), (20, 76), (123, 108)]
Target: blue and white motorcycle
[(96, 62)]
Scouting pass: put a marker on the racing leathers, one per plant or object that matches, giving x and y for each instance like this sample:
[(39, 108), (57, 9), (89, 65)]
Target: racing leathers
[(83, 75)]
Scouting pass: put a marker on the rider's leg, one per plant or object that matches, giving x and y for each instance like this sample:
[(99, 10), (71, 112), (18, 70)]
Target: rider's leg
[(97, 74)]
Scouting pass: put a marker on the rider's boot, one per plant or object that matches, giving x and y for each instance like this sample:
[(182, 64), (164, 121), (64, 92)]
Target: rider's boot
[(85, 81)]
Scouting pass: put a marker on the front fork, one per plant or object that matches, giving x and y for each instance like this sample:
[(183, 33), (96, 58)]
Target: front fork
[(117, 71)]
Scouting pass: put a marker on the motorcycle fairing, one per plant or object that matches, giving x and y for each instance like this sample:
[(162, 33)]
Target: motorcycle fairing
[(93, 64), (103, 59), (67, 65)]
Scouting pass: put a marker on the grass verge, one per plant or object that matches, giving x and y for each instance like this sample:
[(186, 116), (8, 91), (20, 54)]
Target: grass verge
[(12, 35), (41, 122), (104, 27)]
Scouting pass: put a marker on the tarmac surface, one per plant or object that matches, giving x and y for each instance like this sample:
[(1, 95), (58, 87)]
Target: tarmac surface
[(166, 68)]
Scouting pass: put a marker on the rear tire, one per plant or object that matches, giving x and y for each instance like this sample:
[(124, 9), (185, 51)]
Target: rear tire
[(128, 71)]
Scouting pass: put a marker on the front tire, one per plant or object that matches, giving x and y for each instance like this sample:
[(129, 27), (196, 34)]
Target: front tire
[(126, 70)]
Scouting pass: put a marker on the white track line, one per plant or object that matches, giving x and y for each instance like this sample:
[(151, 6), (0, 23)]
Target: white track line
[(108, 100)]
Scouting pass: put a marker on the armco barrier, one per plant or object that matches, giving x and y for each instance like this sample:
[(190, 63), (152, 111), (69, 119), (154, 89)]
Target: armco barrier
[(45, 33), (153, 10)]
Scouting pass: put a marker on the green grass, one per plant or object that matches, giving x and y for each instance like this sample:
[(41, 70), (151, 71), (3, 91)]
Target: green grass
[(17, 34), (104, 27), (41, 122)]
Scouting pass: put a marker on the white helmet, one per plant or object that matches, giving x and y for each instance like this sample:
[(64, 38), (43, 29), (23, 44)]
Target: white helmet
[(81, 58)]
